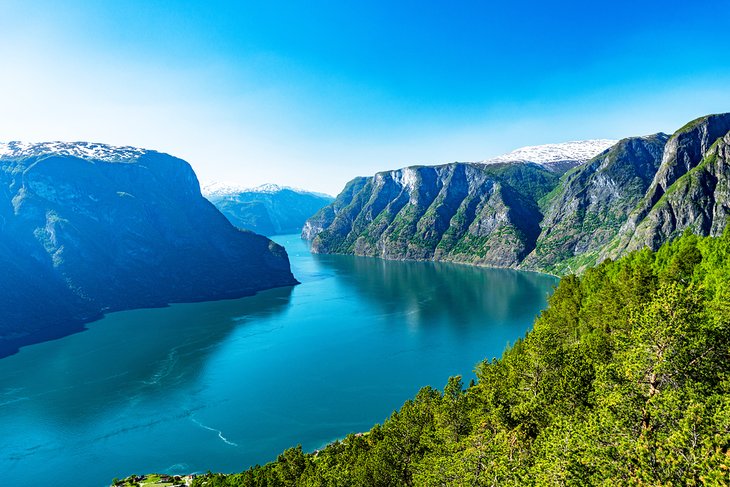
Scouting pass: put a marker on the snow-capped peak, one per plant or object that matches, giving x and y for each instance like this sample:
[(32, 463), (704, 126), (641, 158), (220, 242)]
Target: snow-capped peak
[(273, 188), (220, 189), (83, 150), (576, 152)]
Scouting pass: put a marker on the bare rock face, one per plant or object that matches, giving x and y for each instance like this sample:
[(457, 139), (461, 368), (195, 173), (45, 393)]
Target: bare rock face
[(454, 212), (509, 212), (590, 204), (699, 201), (86, 228), (670, 206)]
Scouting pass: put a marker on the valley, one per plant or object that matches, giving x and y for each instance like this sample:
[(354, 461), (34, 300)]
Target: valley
[(227, 384), (364, 244)]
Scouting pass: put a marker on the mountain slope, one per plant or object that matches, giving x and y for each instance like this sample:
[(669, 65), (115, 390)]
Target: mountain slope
[(482, 213), (591, 203), (640, 192), (689, 190), (267, 209), (86, 228), (460, 212)]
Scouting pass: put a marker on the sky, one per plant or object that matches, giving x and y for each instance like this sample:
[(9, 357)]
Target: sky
[(311, 94)]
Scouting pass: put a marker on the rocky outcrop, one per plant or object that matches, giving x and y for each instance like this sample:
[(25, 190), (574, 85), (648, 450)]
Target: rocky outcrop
[(670, 205), (88, 228), (698, 201)]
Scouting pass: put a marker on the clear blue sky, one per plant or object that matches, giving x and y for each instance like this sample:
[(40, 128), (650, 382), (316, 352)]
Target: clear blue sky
[(314, 93)]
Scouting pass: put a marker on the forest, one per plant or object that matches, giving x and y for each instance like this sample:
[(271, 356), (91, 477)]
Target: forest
[(623, 380)]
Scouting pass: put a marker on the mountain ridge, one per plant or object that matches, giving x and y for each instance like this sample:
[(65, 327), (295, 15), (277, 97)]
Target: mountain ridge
[(83, 150), (585, 213), (219, 188)]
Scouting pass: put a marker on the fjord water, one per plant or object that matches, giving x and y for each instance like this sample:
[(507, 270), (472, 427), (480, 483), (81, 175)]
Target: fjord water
[(223, 385)]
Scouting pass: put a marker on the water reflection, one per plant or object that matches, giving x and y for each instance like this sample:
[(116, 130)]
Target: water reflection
[(435, 292), (223, 385), (125, 358)]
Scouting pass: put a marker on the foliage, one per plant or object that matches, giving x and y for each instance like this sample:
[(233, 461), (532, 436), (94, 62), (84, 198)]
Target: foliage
[(624, 380)]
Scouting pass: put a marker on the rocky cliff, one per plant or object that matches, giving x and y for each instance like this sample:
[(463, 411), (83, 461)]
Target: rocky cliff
[(88, 228), (587, 208), (558, 218), (483, 214), (688, 191)]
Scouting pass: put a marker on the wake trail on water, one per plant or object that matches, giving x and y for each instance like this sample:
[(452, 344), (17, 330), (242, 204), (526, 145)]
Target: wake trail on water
[(220, 433), (164, 369)]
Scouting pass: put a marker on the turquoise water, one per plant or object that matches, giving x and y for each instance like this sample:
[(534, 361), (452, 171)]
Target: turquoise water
[(227, 384)]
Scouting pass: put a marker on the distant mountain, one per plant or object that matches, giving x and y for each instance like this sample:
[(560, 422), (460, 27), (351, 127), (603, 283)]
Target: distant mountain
[(88, 228), (268, 209), (558, 208)]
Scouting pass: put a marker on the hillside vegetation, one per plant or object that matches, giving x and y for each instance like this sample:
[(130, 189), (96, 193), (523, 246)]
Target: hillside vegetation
[(622, 381)]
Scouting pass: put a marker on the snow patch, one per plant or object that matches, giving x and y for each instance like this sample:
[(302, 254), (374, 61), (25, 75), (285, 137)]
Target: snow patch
[(406, 178), (548, 154), (82, 150), (221, 189)]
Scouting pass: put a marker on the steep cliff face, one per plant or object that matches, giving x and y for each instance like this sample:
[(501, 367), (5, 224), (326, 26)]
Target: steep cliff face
[(460, 212), (699, 200), (325, 217), (267, 209), (86, 228), (674, 202), (588, 207), (640, 192)]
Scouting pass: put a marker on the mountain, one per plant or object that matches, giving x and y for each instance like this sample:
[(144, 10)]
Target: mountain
[(484, 213), (89, 228), (556, 157), (477, 213), (688, 191), (268, 209), (561, 208), (591, 202)]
